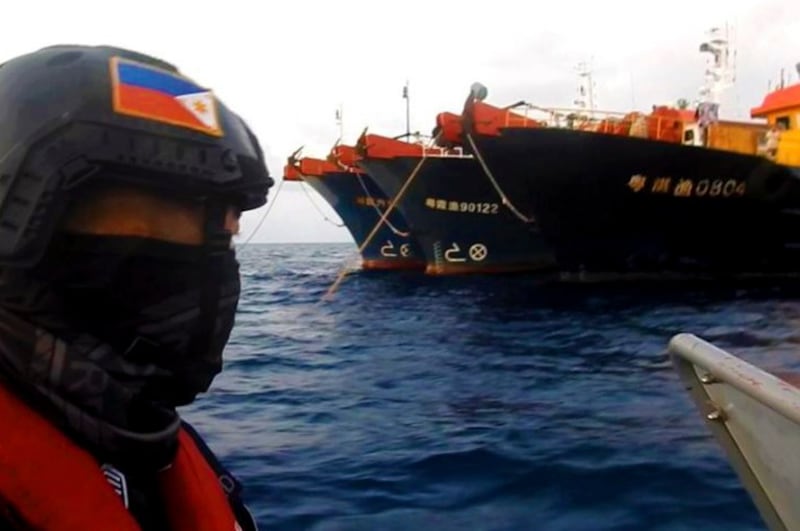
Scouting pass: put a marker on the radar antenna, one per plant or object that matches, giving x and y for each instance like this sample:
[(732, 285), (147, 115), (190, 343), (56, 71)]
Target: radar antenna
[(340, 120), (586, 88)]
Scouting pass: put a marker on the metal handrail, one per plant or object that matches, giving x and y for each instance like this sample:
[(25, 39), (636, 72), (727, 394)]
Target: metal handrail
[(591, 120), (754, 416), (762, 386)]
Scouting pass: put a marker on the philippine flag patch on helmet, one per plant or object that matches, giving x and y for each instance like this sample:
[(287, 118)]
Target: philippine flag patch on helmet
[(151, 93)]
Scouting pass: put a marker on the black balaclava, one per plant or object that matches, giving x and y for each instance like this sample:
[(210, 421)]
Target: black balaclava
[(107, 335)]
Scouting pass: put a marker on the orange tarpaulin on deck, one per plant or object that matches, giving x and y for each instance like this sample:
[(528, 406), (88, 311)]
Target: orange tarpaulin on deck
[(344, 156), (295, 170), (489, 120), (382, 147)]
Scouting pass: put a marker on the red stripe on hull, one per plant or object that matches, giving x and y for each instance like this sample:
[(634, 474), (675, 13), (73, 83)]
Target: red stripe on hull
[(442, 270), (388, 265)]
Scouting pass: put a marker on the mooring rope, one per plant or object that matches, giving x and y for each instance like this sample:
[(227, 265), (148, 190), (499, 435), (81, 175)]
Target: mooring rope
[(380, 222), (266, 213), (503, 197), (395, 230), (319, 210)]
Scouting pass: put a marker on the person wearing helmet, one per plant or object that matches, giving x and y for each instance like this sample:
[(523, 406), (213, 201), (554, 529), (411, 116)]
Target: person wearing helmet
[(121, 186)]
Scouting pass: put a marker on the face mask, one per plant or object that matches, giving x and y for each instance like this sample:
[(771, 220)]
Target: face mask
[(165, 309)]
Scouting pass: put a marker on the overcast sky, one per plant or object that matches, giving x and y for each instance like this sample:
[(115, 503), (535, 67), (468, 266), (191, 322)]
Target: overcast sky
[(286, 66)]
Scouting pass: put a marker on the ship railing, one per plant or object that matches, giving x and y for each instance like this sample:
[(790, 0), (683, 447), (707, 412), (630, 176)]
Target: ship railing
[(432, 149), (639, 124), (754, 416), (438, 152), (559, 115), (456, 152), (414, 138)]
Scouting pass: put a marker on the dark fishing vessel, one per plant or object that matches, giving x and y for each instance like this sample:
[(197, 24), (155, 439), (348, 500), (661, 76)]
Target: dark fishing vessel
[(453, 210), (360, 205), (665, 193)]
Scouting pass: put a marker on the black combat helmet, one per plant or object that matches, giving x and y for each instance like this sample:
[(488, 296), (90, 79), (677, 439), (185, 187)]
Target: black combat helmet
[(71, 115)]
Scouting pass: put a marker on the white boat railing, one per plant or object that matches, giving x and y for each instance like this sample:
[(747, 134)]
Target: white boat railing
[(755, 417)]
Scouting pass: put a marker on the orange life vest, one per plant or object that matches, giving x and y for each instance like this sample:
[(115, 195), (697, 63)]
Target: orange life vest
[(51, 483)]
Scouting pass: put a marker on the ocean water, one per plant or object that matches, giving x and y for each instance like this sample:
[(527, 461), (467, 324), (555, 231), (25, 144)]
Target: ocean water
[(491, 403)]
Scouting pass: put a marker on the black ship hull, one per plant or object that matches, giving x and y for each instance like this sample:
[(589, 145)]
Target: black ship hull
[(359, 205), (615, 205), (458, 218)]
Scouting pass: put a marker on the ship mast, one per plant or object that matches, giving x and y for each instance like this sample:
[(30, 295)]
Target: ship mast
[(407, 97), (340, 121), (720, 71), (585, 99)]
